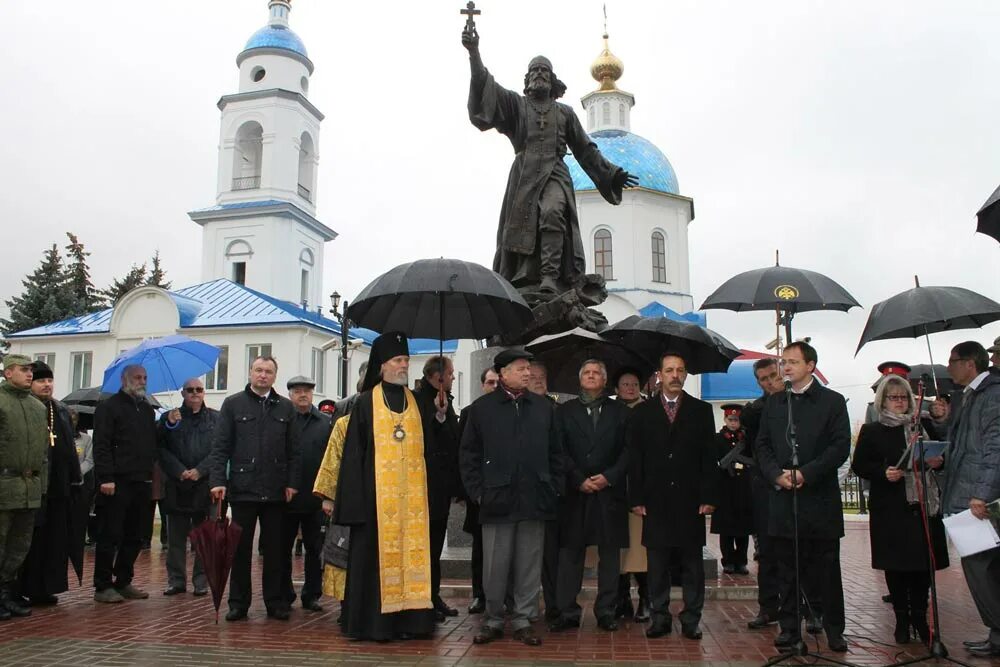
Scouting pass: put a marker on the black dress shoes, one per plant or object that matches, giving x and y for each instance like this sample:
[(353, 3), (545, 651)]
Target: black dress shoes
[(11, 604), (487, 634), (742, 569), (607, 623), (173, 590), (987, 650), (279, 614), (441, 606), (659, 628), (477, 606), (837, 643), (527, 636), (786, 639), (642, 611), (199, 592), (236, 615), (814, 624), (762, 620), (312, 605), (563, 623), (691, 632), (40, 600)]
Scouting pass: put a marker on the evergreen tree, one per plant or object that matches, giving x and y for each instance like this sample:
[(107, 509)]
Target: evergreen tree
[(157, 276), (45, 299), (88, 298), (119, 287)]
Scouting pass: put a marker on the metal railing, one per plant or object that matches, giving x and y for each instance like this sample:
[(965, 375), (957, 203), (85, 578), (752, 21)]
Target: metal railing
[(305, 193), (851, 494), (246, 183)]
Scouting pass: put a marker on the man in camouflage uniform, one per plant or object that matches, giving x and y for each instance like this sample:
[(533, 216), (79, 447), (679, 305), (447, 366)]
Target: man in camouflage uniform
[(23, 474)]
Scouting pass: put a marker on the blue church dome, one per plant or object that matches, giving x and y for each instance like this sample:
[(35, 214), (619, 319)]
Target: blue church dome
[(632, 153), (277, 37)]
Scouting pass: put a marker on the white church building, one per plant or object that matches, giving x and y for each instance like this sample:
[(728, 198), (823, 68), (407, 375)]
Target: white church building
[(263, 245)]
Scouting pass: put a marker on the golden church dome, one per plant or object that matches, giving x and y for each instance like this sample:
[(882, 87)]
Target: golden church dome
[(607, 68)]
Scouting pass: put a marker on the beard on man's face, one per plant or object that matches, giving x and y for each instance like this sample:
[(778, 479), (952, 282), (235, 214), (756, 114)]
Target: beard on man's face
[(398, 378), (135, 390)]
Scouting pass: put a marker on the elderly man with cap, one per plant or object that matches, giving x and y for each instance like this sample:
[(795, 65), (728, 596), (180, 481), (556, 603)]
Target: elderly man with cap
[(994, 351), (44, 571), (125, 449), (24, 451), (305, 512), (382, 495), (257, 442), (512, 466), (186, 437)]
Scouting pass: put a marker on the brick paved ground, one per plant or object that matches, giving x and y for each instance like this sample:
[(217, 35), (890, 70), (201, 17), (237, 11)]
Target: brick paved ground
[(181, 631)]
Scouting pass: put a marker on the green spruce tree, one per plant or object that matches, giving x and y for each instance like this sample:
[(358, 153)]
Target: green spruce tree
[(88, 298), (119, 287), (157, 276), (46, 297)]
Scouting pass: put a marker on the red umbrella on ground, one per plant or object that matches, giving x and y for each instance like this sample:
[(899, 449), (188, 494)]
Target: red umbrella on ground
[(215, 543)]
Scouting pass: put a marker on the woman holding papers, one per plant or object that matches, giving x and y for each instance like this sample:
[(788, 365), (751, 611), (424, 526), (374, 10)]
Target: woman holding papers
[(898, 540)]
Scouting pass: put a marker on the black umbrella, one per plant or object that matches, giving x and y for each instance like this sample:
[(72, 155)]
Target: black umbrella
[(704, 351), (927, 372), (785, 290), (564, 353), (89, 397), (921, 311), (442, 299), (988, 216)]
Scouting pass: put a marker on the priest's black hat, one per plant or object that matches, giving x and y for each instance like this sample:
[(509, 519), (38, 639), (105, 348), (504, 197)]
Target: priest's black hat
[(40, 371), (390, 344)]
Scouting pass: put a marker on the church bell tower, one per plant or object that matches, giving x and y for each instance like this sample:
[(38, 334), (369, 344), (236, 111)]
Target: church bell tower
[(263, 231)]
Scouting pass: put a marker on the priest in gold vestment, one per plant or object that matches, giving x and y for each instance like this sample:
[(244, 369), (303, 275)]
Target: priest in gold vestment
[(382, 495)]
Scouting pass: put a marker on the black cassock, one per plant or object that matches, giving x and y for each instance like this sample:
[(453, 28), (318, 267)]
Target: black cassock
[(45, 568), (734, 515), (355, 506)]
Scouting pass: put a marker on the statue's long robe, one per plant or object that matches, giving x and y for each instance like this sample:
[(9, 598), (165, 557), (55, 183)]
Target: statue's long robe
[(382, 495), (539, 153)]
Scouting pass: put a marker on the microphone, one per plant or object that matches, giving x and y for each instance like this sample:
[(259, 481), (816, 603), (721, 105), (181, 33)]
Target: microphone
[(788, 386)]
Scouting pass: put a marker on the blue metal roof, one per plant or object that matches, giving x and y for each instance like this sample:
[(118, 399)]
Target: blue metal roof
[(635, 155), (223, 303), (277, 37), (737, 384), (657, 309), (243, 205)]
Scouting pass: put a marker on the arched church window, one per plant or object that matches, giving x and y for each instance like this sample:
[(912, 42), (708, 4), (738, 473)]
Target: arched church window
[(306, 259), (659, 258), (238, 254), (602, 254), (248, 152), (307, 164), (621, 114), (606, 113)]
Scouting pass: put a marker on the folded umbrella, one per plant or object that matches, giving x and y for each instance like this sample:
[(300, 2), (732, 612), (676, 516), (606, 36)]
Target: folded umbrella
[(215, 542), (704, 350), (563, 354), (168, 361)]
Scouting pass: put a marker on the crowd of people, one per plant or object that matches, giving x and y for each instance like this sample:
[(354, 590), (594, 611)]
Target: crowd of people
[(617, 475)]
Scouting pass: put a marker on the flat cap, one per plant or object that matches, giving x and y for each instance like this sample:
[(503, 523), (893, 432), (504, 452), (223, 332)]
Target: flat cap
[(995, 347), (509, 356), (300, 381)]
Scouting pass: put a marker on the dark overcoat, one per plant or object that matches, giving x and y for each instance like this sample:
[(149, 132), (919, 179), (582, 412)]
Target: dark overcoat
[(672, 470), (896, 527), (824, 436), (594, 518), (186, 446), (734, 516), (313, 433), (440, 453)]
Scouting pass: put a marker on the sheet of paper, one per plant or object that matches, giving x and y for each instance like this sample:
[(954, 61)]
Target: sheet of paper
[(969, 534)]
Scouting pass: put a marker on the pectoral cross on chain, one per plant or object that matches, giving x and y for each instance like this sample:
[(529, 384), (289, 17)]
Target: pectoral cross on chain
[(52, 439), (470, 12)]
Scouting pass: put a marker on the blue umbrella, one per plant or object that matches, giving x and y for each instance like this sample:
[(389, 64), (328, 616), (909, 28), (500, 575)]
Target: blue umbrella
[(168, 361)]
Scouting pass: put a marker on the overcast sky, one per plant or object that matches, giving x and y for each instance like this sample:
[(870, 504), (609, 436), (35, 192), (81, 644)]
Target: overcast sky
[(858, 137)]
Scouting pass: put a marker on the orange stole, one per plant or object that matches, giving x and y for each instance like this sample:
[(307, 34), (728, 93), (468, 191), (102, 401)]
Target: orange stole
[(404, 542)]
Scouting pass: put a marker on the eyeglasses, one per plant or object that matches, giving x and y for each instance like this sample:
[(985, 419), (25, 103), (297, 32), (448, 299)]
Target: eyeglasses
[(194, 390), (956, 360), (898, 397)]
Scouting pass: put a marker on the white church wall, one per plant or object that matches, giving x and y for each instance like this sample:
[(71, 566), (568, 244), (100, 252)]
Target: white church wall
[(273, 71)]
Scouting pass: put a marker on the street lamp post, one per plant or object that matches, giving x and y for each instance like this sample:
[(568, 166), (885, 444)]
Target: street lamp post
[(345, 327)]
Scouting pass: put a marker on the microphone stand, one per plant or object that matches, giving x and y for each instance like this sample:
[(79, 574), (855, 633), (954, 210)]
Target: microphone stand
[(937, 650), (799, 648)]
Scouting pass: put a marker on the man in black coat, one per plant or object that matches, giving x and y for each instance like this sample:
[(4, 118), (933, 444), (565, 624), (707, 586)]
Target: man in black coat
[(44, 573), (186, 461), (441, 456), (305, 511), (768, 585), (488, 380), (673, 484), (595, 511), (257, 440), (511, 463), (823, 433), (125, 445)]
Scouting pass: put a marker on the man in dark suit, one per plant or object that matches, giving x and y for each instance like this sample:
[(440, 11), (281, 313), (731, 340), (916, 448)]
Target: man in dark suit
[(595, 512), (823, 433), (673, 484)]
